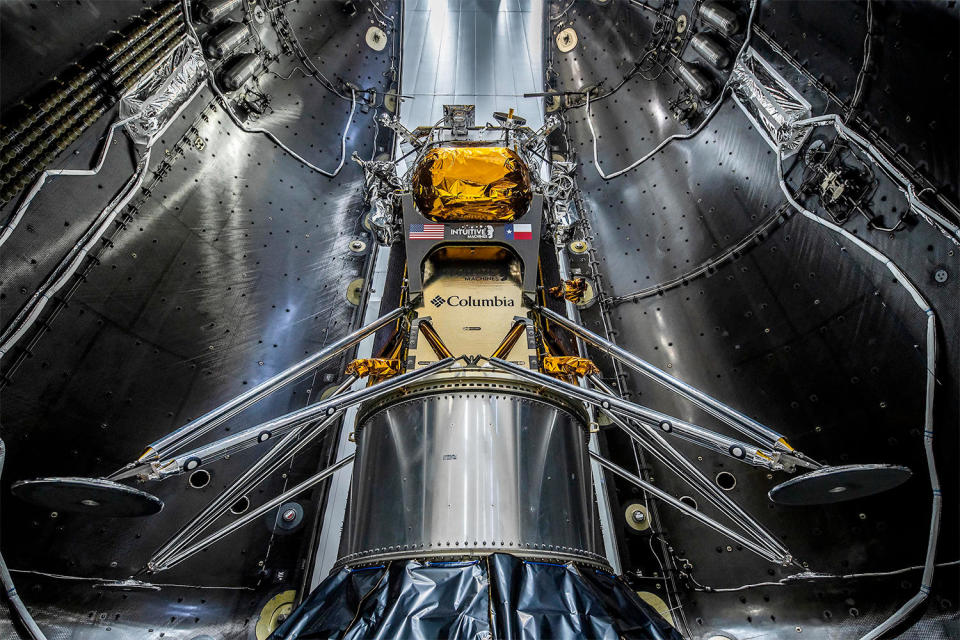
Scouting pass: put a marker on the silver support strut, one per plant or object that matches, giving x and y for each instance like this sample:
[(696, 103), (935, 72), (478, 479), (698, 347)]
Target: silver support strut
[(634, 411), (729, 415), (309, 483), (338, 403), (253, 476), (261, 469), (654, 443), (329, 408), (215, 417), (610, 542), (740, 451), (693, 513), (217, 450), (612, 404), (736, 449)]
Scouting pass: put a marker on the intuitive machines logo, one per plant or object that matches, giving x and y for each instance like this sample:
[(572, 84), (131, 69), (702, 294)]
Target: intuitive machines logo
[(472, 231)]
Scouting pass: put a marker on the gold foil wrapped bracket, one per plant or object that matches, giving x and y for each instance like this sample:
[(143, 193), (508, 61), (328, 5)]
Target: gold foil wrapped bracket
[(376, 367), (572, 290), (472, 184), (569, 365)]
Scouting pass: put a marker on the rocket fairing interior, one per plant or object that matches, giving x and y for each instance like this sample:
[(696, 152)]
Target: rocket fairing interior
[(479, 319)]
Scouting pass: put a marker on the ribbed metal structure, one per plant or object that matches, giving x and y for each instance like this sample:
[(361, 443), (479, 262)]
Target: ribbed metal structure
[(471, 469)]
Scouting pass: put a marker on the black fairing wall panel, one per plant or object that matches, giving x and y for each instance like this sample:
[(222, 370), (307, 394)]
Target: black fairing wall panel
[(230, 264), (807, 336), (54, 221), (912, 76), (234, 261)]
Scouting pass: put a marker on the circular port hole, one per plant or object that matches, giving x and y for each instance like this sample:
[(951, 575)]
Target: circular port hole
[(726, 480), (199, 479), (240, 506), (690, 502)]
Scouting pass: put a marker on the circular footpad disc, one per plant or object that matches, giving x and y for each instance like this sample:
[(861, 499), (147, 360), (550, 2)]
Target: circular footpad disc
[(839, 484), (87, 495)]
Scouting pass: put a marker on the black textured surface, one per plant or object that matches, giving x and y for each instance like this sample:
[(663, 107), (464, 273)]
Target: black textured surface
[(817, 342), (234, 264), (497, 596), (231, 265), (94, 497), (840, 483)]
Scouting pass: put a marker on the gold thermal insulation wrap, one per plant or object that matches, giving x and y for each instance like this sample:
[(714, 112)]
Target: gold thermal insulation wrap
[(572, 290), (569, 365), (509, 340), (377, 367), (472, 183)]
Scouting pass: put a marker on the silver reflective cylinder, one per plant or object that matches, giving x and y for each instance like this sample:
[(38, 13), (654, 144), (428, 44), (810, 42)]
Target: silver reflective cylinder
[(211, 11), (225, 41), (710, 50), (239, 71), (720, 18), (471, 470), (696, 80)]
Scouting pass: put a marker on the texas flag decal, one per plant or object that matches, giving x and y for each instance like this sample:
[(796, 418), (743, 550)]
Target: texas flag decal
[(519, 232)]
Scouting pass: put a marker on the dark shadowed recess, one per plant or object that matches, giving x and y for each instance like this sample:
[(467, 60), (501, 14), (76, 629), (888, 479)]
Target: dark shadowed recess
[(819, 343), (230, 264)]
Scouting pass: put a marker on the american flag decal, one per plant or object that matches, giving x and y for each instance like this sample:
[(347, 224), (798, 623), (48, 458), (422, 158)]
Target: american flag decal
[(426, 232)]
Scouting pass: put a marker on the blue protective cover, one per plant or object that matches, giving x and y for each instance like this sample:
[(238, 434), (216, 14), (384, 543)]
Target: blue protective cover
[(494, 597)]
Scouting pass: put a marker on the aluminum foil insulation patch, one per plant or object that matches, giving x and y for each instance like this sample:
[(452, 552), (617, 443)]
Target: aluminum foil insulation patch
[(381, 183), (152, 103), (771, 104)]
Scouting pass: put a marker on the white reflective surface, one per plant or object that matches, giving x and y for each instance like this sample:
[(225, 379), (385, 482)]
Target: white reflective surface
[(482, 52)]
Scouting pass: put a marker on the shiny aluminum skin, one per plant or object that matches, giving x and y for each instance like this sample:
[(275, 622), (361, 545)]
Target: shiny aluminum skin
[(464, 470)]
